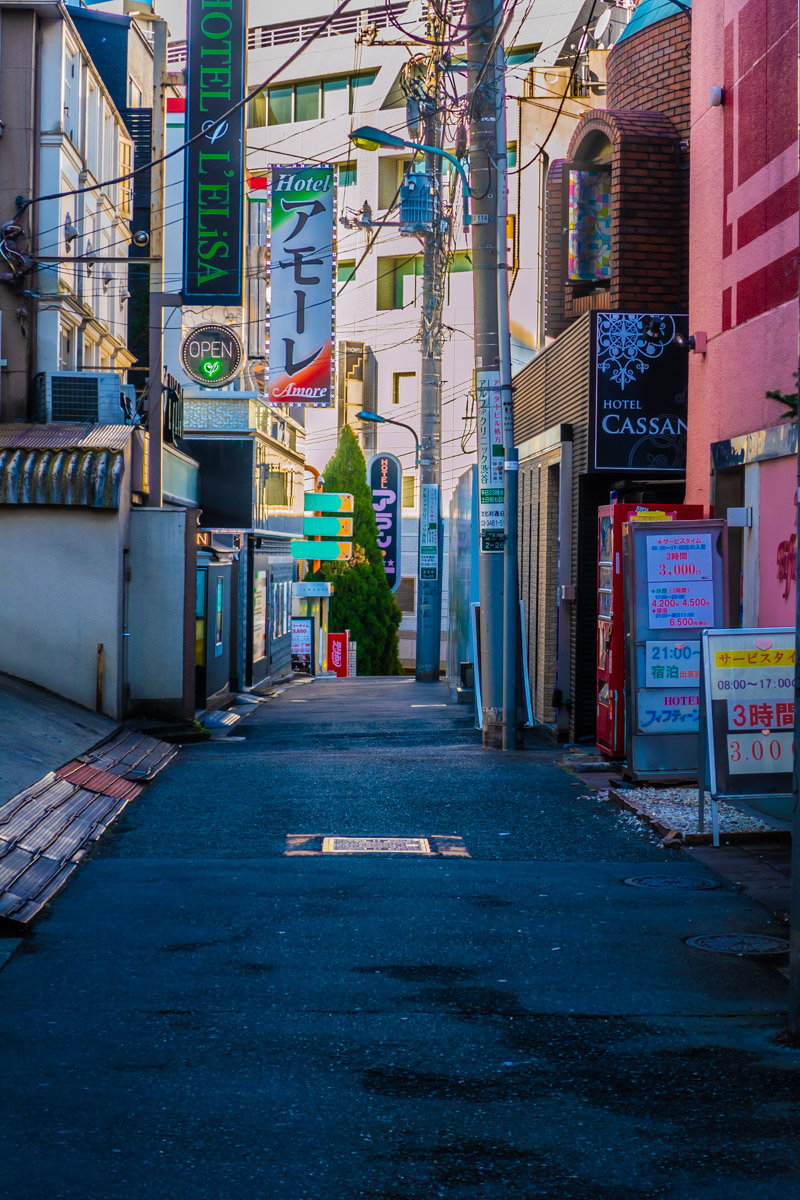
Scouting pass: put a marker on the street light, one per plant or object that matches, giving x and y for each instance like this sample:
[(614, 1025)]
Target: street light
[(370, 138), (366, 415)]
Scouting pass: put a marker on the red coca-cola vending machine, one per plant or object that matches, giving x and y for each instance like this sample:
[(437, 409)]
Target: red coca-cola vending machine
[(338, 656), (611, 612)]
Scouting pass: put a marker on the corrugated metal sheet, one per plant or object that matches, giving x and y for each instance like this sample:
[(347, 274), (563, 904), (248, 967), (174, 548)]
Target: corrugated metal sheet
[(65, 437), (90, 478), (553, 389), (47, 829)]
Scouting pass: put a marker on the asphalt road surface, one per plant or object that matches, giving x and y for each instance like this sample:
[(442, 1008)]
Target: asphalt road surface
[(200, 1015)]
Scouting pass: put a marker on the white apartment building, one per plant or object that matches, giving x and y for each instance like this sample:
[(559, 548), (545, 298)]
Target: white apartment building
[(82, 315)]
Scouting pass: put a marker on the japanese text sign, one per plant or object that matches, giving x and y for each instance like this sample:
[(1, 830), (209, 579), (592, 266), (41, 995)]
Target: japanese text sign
[(749, 680), (301, 286), (384, 479), (491, 457)]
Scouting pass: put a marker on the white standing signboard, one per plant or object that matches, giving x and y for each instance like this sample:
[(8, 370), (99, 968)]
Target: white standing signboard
[(749, 693)]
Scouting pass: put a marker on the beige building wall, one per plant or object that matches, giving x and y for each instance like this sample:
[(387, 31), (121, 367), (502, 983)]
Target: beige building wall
[(61, 594)]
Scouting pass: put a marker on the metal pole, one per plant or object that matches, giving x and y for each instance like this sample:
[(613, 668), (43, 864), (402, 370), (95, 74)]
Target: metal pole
[(511, 638), (429, 575), (794, 919), (481, 20)]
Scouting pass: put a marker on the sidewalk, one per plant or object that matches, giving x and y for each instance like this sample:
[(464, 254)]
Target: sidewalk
[(65, 775)]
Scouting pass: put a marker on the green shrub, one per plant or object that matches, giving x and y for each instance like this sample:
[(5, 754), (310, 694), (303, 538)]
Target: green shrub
[(361, 601)]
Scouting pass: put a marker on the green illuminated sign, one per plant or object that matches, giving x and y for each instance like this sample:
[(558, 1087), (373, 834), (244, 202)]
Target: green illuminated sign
[(212, 355)]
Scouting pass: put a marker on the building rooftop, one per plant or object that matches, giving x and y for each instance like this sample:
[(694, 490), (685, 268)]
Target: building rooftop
[(650, 12)]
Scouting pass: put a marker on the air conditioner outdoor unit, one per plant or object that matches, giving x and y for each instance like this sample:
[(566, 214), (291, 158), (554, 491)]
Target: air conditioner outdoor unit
[(84, 397)]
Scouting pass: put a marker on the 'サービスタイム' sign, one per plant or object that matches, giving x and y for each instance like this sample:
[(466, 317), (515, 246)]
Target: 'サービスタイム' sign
[(214, 164), (301, 285)]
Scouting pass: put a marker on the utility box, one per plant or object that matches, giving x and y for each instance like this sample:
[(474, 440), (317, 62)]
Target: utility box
[(418, 205)]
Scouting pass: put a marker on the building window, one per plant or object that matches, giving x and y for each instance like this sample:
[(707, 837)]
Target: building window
[(409, 491), (276, 489), (347, 173), (403, 389), (126, 185), (406, 594), (391, 275), (66, 359), (587, 223), (511, 155), (308, 101), (219, 624), (345, 270), (134, 94), (521, 56)]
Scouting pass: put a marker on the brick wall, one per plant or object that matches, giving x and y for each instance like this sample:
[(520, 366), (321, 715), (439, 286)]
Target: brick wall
[(649, 216), (651, 70), (646, 120)]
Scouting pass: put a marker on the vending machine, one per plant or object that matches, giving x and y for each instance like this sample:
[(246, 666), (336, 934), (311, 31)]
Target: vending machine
[(611, 612)]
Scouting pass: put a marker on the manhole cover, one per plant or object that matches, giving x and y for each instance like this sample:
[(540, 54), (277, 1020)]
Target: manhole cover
[(678, 883), (387, 845), (743, 944)]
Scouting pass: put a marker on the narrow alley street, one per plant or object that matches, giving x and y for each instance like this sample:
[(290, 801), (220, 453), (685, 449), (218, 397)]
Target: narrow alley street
[(201, 1015)]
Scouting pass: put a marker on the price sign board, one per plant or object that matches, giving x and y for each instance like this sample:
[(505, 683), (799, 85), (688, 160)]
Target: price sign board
[(429, 531), (674, 585), (303, 644), (749, 691), (491, 457)]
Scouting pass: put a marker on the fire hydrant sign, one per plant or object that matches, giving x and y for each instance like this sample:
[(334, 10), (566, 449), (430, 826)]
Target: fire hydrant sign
[(749, 682)]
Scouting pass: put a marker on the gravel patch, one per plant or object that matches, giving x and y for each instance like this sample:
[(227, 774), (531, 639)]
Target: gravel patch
[(677, 807)]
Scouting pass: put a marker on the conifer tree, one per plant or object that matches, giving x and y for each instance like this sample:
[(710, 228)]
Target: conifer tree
[(361, 601)]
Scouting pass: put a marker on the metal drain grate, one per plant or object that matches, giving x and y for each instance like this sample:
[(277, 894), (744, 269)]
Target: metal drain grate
[(742, 944), (677, 883), (386, 845)]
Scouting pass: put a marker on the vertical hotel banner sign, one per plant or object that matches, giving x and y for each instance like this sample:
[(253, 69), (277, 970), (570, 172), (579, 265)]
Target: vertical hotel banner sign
[(301, 228), (384, 479), (213, 265)]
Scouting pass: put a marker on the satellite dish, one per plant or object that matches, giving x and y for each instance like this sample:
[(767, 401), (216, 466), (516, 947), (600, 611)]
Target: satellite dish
[(603, 22)]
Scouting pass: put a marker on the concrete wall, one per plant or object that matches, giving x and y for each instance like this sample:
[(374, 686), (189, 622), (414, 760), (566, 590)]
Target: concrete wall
[(743, 228), (60, 596), (157, 600)]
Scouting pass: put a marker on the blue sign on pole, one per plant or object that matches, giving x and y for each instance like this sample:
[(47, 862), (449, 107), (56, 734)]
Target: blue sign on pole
[(385, 482)]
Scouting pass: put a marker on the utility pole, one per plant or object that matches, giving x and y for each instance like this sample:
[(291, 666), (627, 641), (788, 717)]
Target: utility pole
[(497, 520), (793, 1021), (429, 568)]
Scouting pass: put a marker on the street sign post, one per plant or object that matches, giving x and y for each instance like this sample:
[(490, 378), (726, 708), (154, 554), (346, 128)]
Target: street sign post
[(328, 502), (324, 551), (336, 527)]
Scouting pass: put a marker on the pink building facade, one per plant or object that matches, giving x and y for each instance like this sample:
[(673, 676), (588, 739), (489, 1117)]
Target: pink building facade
[(743, 291)]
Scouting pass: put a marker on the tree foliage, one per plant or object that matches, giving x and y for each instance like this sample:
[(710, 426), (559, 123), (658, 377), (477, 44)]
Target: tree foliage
[(788, 400), (361, 601)]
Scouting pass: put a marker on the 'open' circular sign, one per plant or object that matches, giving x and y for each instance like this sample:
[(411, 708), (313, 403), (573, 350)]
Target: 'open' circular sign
[(212, 355)]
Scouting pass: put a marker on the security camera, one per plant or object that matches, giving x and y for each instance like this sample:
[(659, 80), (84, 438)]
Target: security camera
[(141, 238)]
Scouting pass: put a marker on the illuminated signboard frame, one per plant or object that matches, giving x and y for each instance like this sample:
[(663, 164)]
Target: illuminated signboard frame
[(302, 285), (213, 256), (199, 366)]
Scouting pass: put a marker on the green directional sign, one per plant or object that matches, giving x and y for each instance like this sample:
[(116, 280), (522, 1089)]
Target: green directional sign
[(329, 551), (336, 527), (328, 502)]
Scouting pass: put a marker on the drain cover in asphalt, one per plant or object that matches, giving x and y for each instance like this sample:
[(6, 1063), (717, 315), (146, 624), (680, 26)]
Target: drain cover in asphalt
[(743, 944), (387, 845), (681, 883)]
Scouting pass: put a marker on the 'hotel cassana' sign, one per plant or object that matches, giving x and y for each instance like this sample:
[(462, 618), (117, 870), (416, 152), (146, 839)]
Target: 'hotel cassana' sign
[(214, 164)]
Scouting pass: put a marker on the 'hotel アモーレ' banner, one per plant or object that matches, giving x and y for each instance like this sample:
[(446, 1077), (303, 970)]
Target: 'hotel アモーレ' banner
[(301, 286)]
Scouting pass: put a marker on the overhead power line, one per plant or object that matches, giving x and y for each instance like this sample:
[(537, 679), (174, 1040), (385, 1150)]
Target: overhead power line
[(94, 187)]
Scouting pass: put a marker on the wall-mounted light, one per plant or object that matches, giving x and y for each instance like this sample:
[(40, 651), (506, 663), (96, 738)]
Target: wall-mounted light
[(716, 97), (108, 276), (696, 343), (70, 232), (123, 296), (89, 255)]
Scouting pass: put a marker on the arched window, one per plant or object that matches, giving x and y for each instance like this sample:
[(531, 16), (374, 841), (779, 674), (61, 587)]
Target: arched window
[(587, 213)]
